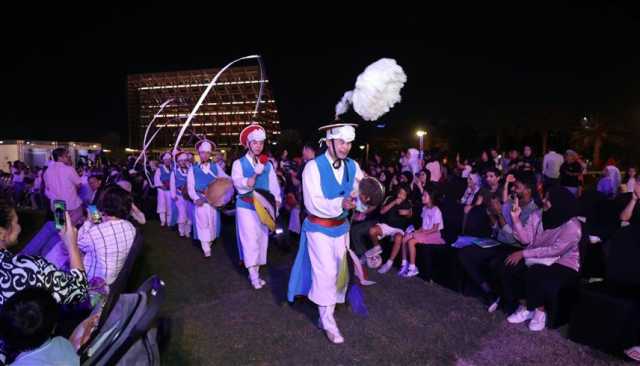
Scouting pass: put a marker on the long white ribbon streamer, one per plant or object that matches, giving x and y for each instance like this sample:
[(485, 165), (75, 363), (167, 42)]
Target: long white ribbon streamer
[(146, 144), (208, 89)]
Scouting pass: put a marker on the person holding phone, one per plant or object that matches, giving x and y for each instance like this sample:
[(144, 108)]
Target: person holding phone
[(477, 261), (23, 271)]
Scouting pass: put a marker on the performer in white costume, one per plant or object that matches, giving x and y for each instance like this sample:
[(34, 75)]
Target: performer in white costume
[(320, 270), (178, 184), (249, 173), (207, 218), (161, 181)]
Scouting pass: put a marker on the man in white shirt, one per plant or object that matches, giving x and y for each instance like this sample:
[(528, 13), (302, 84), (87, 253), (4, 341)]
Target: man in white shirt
[(248, 173), (551, 168), (320, 270), (62, 183)]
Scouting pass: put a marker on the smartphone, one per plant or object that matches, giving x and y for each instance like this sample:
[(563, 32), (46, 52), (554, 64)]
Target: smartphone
[(94, 214), (59, 209)]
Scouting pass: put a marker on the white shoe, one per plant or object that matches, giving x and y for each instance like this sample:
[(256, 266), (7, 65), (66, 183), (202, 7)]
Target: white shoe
[(207, 254), (538, 321), (411, 272), (262, 282), (257, 284), (385, 267), (520, 316), (403, 269), (494, 306), (334, 336)]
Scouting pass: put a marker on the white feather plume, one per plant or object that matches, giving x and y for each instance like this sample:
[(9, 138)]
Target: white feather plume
[(377, 90), (343, 105)]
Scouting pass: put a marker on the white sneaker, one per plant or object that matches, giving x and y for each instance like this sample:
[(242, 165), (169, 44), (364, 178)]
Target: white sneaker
[(403, 269), (334, 336), (493, 307), (385, 267), (411, 272), (262, 282), (257, 284), (520, 316), (538, 321)]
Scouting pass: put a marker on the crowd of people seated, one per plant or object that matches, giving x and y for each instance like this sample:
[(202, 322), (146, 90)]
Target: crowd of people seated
[(516, 221)]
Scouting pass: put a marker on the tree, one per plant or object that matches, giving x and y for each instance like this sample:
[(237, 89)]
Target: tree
[(594, 132)]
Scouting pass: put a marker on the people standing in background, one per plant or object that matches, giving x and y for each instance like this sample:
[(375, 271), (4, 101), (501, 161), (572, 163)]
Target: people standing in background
[(62, 183), (571, 172), (551, 168)]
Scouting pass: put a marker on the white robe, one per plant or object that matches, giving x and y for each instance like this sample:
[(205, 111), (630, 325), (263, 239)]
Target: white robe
[(253, 235), (183, 218), (164, 197), (205, 216), (325, 252)]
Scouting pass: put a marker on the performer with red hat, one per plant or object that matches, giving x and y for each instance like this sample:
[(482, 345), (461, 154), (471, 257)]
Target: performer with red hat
[(253, 171), (206, 217)]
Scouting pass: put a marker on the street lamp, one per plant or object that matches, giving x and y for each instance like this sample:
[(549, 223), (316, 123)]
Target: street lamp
[(421, 134), (361, 147)]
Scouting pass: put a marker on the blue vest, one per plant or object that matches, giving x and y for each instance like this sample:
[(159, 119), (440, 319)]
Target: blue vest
[(203, 179), (181, 179), (300, 277), (165, 174), (331, 188), (262, 181)]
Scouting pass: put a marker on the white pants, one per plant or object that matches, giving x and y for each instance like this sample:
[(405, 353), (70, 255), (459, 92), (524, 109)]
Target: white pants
[(184, 224), (388, 231), (326, 253), (254, 237), (164, 206), (205, 217)]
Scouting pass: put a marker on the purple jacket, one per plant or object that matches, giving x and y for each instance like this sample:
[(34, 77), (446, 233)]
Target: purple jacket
[(559, 242)]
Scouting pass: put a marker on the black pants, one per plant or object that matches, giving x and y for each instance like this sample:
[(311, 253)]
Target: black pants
[(480, 262), (359, 235), (534, 284)]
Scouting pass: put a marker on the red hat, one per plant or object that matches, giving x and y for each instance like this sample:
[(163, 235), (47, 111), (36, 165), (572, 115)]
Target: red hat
[(253, 132)]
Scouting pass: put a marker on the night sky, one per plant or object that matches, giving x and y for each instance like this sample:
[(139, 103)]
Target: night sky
[(64, 68)]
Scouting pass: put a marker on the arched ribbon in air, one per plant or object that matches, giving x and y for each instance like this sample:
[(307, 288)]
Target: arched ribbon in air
[(208, 89), (145, 144)]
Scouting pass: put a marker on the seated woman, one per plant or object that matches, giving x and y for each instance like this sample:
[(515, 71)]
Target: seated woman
[(24, 271), (105, 244), (550, 261), (607, 184)]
